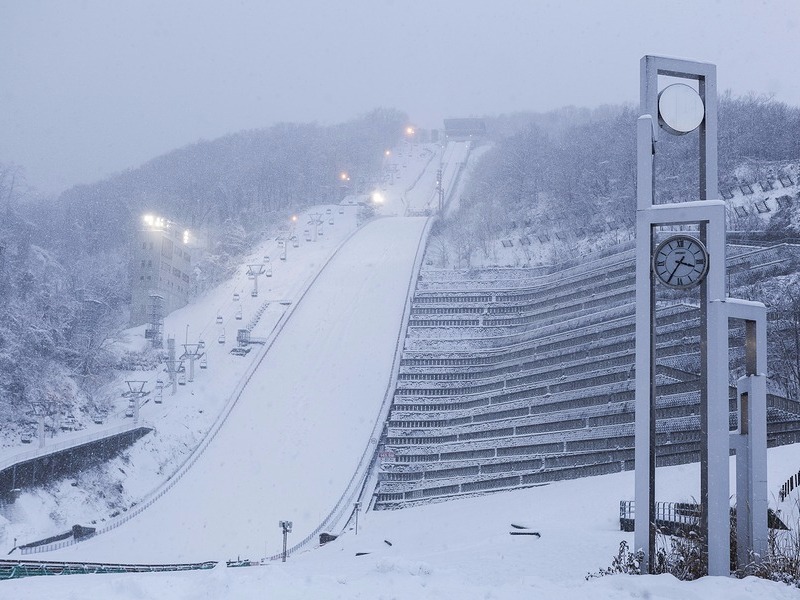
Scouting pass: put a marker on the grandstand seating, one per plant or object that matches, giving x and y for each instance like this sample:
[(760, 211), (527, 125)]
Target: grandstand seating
[(517, 377)]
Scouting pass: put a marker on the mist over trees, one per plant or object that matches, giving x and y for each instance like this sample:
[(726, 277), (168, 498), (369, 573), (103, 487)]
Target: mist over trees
[(575, 170), (64, 279), (64, 263)]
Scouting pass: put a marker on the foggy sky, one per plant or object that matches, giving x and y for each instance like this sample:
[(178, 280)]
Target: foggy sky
[(91, 87)]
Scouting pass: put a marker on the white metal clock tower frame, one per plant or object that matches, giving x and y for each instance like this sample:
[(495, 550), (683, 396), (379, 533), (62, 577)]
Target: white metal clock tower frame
[(749, 442)]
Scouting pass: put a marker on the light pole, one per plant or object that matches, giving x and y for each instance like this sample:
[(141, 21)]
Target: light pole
[(286, 528), (357, 506)]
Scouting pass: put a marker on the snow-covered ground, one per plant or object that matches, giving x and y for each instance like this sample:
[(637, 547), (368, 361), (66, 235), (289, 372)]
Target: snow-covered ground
[(458, 549)]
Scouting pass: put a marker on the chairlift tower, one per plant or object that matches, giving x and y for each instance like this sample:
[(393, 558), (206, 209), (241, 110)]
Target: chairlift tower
[(192, 353), (135, 392), (173, 364), (315, 220), (255, 271)]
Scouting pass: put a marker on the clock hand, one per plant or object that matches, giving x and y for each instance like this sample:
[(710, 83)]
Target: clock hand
[(677, 266)]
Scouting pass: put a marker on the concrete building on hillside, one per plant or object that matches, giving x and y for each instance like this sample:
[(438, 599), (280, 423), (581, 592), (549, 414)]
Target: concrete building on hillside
[(463, 130), (161, 271)]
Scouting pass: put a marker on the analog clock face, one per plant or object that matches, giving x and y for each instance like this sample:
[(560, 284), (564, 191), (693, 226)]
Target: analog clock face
[(680, 261)]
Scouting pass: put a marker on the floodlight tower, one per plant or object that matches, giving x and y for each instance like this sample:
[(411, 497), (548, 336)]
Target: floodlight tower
[(156, 329), (255, 271)]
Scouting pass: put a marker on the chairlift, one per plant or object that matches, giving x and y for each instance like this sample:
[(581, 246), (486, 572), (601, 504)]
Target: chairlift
[(295, 242), (235, 296), (221, 338), (307, 235), (330, 221), (219, 319), (203, 362), (239, 315), (97, 419), (182, 378), (129, 412), (26, 438), (254, 294), (341, 210)]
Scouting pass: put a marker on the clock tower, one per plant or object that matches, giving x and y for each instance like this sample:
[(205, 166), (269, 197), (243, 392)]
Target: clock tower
[(679, 97)]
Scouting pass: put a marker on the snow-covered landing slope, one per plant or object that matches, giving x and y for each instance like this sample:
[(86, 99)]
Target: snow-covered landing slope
[(294, 438)]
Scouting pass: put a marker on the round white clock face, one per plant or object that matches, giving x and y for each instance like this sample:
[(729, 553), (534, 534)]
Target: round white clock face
[(680, 261), (680, 109)]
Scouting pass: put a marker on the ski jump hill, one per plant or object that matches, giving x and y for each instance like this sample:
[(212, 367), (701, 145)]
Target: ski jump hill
[(385, 384)]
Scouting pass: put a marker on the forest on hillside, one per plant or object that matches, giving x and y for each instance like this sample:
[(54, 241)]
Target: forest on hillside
[(576, 168), (64, 262)]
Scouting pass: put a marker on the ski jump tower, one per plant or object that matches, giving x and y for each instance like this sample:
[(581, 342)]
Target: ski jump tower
[(696, 259)]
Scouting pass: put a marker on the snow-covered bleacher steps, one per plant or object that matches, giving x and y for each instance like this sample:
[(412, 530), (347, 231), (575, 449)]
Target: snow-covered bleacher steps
[(501, 338), (493, 278), (545, 381), (476, 406), (589, 339), (503, 303), (552, 369), (520, 420), (502, 299), (501, 331)]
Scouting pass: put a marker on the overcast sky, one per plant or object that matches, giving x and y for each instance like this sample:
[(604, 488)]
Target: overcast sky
[(91, 87)]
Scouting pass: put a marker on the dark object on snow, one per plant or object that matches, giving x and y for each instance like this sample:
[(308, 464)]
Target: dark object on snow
[(362, 553), (524, 530), (387, 542), (324, 538), (80, 532)]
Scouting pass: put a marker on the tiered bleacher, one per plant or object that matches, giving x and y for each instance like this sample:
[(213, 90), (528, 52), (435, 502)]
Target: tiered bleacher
[(516, 377)]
